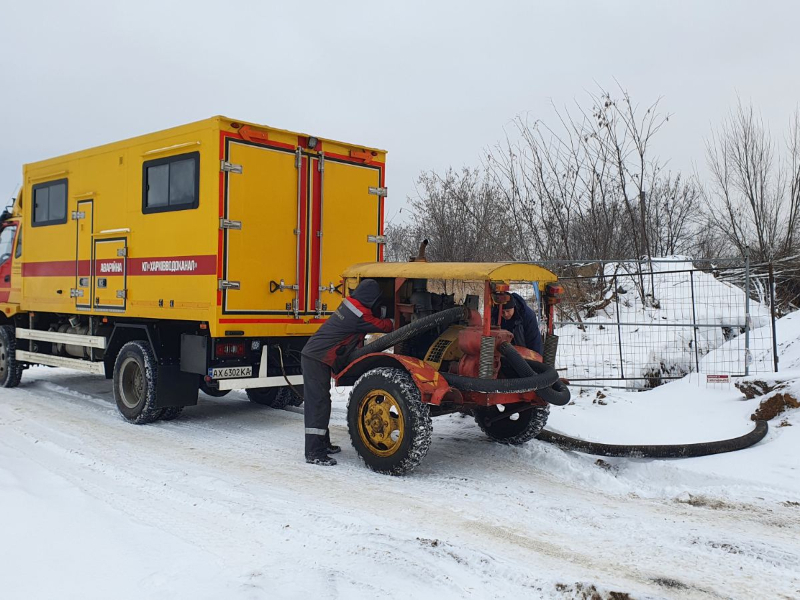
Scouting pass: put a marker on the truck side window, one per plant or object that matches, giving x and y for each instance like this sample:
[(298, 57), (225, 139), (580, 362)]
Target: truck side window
[(18, 251), (50, 203), (7, 243), (171, 183)]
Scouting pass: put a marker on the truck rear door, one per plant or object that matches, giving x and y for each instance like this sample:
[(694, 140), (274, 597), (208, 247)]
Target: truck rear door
[(347, 222), (263, 230)]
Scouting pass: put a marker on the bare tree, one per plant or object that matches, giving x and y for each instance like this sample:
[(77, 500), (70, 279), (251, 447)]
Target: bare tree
[(462, 214), (753, 197), (671, 204), (577, 190)]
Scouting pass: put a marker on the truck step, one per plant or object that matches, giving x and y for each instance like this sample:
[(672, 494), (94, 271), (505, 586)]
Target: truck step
[(61, 361), (73, 339), (258, 382)]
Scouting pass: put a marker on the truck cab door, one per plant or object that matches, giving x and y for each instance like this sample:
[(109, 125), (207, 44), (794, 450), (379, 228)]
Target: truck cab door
[(8, 236)]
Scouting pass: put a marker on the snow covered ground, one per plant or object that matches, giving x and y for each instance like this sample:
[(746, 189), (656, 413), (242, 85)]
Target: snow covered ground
[(219, 504)]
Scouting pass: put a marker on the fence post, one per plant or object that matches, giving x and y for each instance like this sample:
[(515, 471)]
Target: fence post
[(619, 328), (694, 324), (772, 315), (747, 313)]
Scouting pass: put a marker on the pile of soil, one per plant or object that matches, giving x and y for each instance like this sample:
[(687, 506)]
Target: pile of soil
[(773, 406)]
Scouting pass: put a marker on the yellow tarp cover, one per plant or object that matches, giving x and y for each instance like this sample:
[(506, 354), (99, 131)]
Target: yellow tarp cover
[(463, 271)]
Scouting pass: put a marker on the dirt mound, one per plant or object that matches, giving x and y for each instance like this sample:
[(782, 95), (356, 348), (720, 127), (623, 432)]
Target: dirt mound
[(773, 406), (754, 388)]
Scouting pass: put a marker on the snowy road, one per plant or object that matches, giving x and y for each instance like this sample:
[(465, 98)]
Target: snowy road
[(219, 504)]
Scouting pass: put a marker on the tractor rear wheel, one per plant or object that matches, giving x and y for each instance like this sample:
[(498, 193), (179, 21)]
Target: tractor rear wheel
[(390, 427), (518, 427), (10, 369), (276, 397)]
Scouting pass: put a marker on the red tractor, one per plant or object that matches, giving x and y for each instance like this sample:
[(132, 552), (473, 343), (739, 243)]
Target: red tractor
[(447, 357)]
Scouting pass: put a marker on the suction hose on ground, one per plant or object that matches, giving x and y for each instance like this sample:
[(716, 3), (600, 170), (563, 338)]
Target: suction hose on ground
[(559, 395), (658, 451)]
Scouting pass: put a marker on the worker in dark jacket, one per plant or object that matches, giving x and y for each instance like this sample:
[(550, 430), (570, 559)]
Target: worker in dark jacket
[(519, 319), (327, 351)]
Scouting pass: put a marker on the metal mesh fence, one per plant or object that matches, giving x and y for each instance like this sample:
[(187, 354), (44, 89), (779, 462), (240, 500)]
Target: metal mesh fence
[(637, 324)]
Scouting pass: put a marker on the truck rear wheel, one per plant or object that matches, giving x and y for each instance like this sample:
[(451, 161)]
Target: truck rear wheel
[(135, 376), (276, 397), (10, 369), (390, 427), (510, 430), (170, 413), (213, 392)]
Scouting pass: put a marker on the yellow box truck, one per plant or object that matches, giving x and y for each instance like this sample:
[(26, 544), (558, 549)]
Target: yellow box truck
[(198, 257)]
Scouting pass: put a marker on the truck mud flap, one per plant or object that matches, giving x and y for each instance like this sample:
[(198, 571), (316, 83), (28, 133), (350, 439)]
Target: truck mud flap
[(176, 388)]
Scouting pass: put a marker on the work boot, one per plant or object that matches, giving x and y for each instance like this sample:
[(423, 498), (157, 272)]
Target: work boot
[(330, 448), (325, 461)]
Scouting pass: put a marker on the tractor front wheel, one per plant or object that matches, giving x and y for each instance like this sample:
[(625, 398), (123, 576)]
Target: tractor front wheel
[(390, 427), (512, 426)]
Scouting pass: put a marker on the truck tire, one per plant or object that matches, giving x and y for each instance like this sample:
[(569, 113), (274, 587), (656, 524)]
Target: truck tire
[(528, 424), (213, 392), (10, 369), (390, 427), (135, 383), (276, 397)]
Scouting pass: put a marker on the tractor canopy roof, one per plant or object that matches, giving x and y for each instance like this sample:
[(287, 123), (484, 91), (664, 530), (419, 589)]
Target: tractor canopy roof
[(462, 271)]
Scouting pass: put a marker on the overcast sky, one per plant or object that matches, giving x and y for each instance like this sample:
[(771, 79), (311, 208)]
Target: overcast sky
[(432, 82)]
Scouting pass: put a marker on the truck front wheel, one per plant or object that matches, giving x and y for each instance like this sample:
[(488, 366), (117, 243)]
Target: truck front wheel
[(135, 376), (10, 369), (390, 426)]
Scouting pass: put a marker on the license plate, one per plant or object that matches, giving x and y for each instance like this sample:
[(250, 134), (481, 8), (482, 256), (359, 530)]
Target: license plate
[(230, 372)]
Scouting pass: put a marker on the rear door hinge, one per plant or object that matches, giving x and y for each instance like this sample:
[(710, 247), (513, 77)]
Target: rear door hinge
[(224, 284), (229, 167), (78, 214), (122, 294), (75, 293), (376, 239), (228, 224), (380, 192), (122, 252)]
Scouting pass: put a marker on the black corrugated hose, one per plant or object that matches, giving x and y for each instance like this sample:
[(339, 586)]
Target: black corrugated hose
[(406, 332), (658, 451), (559, 395)]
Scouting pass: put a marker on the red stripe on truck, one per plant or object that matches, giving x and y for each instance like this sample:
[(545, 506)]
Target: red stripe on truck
[(166, 265)]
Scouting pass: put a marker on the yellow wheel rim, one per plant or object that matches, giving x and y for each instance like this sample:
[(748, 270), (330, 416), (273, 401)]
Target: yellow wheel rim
[(381, 425)]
